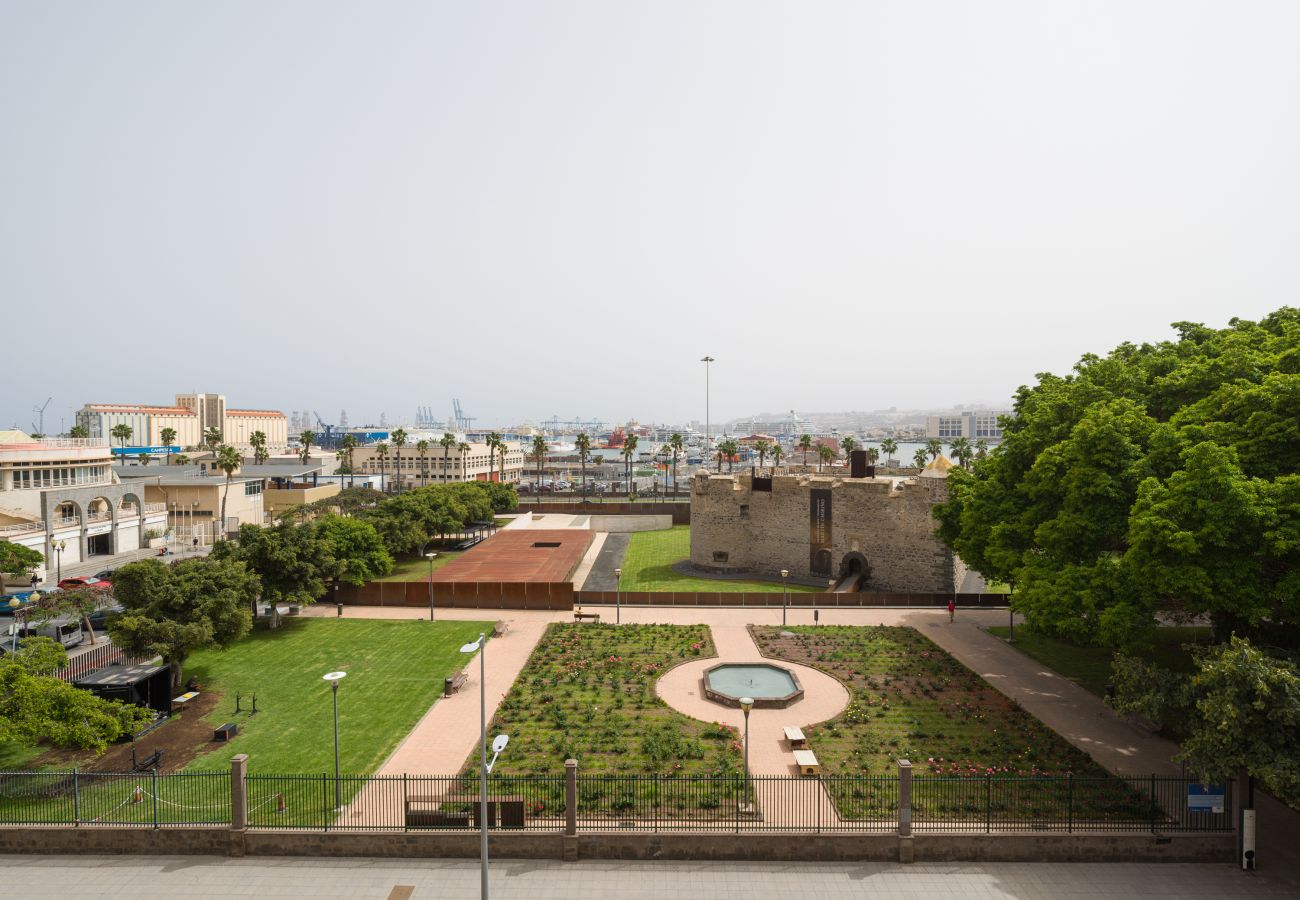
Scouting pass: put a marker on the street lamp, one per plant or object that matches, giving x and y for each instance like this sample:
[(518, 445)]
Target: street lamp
[(334, 678), (618, 596), (430, 557), (480, 647), (785, 594), (58, 547), (746, 704), (706, 360)]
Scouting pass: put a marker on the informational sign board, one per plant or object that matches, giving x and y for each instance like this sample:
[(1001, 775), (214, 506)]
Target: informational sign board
[(1205, 798), (820, 537)]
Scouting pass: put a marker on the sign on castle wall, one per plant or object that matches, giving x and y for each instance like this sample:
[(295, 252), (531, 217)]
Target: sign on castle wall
[(819, 531)]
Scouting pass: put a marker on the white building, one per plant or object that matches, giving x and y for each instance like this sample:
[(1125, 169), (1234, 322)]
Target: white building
[(59, 496), (438, 466), (973, 426), (190, 418)]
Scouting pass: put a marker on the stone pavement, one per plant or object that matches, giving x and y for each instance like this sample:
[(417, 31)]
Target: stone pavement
[(165, 878)]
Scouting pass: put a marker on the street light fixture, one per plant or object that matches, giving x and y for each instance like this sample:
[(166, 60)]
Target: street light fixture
[(785, 594), (430, 557), (334, 678), (480, 647), (706, 360), (746, 704), (618, 596)]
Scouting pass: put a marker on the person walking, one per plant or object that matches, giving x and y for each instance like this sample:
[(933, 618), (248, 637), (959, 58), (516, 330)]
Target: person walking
[(952, 610)]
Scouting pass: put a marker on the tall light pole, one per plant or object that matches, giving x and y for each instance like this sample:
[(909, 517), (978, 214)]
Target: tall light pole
[(334, 678), (785, 594), (431, 558), (618, 596), (706, 360), (58, 547), (480, 647), (746, 704)]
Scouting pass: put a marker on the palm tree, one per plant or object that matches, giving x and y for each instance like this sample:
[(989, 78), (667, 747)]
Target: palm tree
[(182, 459), (503, 448), (123, 434), (144, 458), (824, 455), (872, 455), (934, 447), (762, 448), (849, 445), (81, 431), (981, 448), (423, 447), (962, 451), (258, 440), (539, 456), (777, 453), (349, 446), (731, 448), (678, 446), (629, 447), (493, 442), (805, 444), (889, 447), (446, 442), (920, 457), (381, 450), (399, 441), (228, 461), (463, 449), (212, 437), (168, 436), (582, 443)]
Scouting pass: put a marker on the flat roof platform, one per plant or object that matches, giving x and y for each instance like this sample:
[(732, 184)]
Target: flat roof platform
[(526, 555)]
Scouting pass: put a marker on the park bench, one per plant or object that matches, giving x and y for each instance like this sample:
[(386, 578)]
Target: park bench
[(807, 762), (150, 762), (499, 629), (579, 615), (795, 737), (433, 818), (453, 683)]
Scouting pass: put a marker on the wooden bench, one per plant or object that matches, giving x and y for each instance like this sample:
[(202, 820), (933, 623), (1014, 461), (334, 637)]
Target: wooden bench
[(153, 761), (579, 615), (452, 683), (806, 760), (795, 737), (500, 628)]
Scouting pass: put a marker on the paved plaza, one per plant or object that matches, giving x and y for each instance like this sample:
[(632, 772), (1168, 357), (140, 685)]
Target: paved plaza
[(145, 878)]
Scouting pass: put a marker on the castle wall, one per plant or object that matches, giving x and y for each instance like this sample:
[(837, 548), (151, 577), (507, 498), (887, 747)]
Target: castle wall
[(886, 521)]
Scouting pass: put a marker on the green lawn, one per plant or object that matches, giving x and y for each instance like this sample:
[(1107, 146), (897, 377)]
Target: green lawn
[(395, 673), (16, 755), (1091, 666), (416, 568), (648, 566)]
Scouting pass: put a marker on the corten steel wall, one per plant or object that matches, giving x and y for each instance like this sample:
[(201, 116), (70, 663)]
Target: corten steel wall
[(614, 845), (824, 601), (463, 594), (680, 511)]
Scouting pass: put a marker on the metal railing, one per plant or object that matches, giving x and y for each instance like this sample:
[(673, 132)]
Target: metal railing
[(641, 803)]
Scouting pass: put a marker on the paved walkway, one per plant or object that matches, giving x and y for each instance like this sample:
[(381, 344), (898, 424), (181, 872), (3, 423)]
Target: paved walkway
[(169, 877), (601, 576)]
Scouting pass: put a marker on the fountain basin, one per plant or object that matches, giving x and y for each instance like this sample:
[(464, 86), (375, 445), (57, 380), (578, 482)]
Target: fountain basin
[(770, 686)]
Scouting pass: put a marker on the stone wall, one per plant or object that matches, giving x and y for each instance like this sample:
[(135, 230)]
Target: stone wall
[(882, 522)]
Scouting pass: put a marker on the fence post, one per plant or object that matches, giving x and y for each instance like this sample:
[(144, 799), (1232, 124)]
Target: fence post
[(406, 805), (571, 797), (1153, 802), (239, 792), (76, 799), (988, 803), (906, 852), (154, 784), (1069, 815)]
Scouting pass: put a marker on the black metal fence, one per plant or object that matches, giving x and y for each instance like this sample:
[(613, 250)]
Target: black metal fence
[(829, 804)]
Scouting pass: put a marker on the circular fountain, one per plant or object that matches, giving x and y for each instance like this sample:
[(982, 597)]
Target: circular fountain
[(771, 686)]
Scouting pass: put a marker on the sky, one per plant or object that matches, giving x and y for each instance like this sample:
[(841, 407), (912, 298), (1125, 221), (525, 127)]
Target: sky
[(548, 208)]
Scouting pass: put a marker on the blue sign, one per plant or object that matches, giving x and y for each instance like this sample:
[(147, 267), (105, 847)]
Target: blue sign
[(1205, 798), (136, 451)]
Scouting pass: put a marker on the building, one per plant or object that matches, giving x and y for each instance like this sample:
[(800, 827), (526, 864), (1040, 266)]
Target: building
[(974, 426), (439, 466), (191, 500), (190, 418), (60, 497), (824, 528)]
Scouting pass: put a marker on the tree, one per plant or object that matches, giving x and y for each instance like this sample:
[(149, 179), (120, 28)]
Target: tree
[(920, 458), (182, 459), (174, 610), (422, 447), (762, 448), (168, 436), (15, 559), (873, 455), (582, 443), (502, 448), (79, 431), (676, 444), (399, 441), (962, 451), (381, 451), (357, 549), (731, 449), (538, 455), (212, 438), (629, 450), (493, 442), (144, 458), (463, 449), (805, 444), (981, 448), (305, 441), (121, 433), (258, 441), (1239, 711), (292, 562), (888, 447), (36, 706), (824, 455), (447, 442), (228, 461), (934, 447), (848, 444), (777, 453)]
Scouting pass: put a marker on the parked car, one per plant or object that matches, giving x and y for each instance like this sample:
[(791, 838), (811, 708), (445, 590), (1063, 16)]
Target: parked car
[(66, 631), (106, 575), (94, 583)]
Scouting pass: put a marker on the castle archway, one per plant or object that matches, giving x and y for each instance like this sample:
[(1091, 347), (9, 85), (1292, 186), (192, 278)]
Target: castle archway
[(855, 563)]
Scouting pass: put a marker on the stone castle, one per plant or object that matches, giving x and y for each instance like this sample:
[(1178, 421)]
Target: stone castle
[(825, 527)]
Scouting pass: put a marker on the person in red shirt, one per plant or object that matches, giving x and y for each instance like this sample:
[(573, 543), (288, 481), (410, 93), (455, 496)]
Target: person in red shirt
[(952, 610)]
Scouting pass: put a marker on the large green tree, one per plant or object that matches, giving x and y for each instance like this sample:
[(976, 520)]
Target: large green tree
[(292, 562), (356, 548), (1162, 478), (15, 559), (174, 610)]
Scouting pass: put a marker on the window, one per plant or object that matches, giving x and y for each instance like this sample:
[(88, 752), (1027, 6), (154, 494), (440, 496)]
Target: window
[(719, 556), (252, 487)]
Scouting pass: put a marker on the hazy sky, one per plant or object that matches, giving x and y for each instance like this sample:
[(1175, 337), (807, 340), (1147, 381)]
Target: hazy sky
[(559, 207)]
